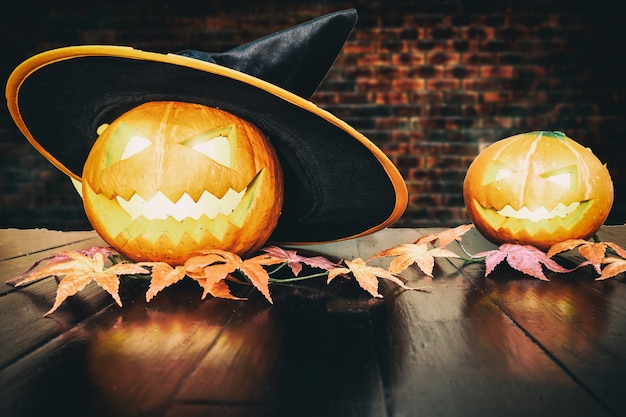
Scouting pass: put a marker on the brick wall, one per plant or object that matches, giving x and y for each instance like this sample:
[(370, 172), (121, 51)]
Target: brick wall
[(430, 82)]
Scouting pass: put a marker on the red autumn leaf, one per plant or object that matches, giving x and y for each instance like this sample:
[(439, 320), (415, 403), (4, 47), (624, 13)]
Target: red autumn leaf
[(295, 261), (614, 267), (78, 270), (447, 236), (163, 275), (366, 276), (409, 253), (524, 258), (213, 266)]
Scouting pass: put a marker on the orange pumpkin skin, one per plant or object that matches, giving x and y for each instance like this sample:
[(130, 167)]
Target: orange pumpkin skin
[(537, 188), (168, 179)]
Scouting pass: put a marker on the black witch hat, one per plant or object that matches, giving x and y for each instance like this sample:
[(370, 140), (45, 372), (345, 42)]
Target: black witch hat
[(338, 184)]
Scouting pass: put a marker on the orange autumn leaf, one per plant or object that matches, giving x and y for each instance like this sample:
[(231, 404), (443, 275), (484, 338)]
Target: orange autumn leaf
[(366, 276), (614, 267), (593, 252), (78, 270), (411, 253), (447, 236), (618, 249), (213, 266), (60, 258), (253, 268), (163, 275)]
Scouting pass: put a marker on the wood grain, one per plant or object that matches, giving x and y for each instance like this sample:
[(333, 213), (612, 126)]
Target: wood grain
[(503, 345)]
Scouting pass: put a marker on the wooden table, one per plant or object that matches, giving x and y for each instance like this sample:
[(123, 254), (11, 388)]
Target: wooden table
[(506, 345)]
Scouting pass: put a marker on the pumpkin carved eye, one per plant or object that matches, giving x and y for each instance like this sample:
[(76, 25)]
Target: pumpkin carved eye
[(126, 141), (503, 173), (497, 171), (216, 144), (537, 188), (134, 146), (565, 177), (167, 179)]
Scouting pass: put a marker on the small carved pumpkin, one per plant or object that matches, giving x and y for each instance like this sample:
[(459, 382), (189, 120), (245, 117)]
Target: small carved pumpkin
[(537, 188), (167, 179)]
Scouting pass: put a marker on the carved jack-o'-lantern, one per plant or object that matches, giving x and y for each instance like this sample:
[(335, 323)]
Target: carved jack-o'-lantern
[(537, 188), (167, 179)]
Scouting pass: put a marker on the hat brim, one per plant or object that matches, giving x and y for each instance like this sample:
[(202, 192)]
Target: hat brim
[(338, 184)]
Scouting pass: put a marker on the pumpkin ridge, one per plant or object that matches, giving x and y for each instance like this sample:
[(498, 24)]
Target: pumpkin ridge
[(527, 163), (580, 158), (166, 200)]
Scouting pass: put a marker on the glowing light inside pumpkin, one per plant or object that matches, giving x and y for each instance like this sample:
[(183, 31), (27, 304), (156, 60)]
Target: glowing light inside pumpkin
[(503, 173), (216, 145), (564, 180), (167, 179), (537, 188), (135, 145), (218, 149), (542, 213), (161, 207), (497, 220)]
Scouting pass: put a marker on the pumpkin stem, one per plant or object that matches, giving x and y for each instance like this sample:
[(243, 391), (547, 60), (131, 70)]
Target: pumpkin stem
[(553, 134)]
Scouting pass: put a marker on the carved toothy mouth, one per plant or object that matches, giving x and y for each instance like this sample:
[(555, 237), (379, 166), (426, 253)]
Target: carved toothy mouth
[(159, 215), (542, 213), (539, 219), (161, 207)]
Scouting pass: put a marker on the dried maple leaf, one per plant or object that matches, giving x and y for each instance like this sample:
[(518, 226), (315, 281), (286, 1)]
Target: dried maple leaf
[(212, 267), (78, 270), (60, 257), (614, 267), (295, 261), (447, 236), (163, 275), (366, 276), (419, 253), (594, 252), (253, 269), (524, 258)]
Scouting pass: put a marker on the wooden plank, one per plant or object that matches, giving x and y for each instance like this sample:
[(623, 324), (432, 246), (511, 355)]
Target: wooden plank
[(442, 355), (574, 319), (296, 357), (468, 347), (23, 242), (22, 309), (431, 363), (17, 260), (123, 362)]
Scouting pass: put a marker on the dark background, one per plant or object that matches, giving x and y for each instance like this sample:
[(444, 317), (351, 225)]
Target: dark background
[(430, 82)]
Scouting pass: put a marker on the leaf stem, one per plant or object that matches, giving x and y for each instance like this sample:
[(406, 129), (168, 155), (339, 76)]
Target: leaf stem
[(294, 279), (278, 268), (470, 258)]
